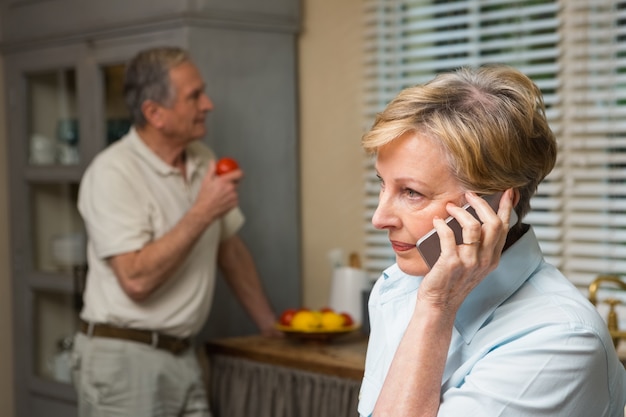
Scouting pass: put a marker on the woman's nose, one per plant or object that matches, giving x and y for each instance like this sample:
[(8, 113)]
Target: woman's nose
[(384, 216)]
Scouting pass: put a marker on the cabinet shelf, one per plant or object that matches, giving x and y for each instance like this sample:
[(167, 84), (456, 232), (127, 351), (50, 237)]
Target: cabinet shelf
[(47, 387), (63, 283), (53, 174)]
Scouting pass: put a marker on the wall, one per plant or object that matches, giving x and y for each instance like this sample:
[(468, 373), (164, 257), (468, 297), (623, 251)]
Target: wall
[(330, 132), (331, 159)]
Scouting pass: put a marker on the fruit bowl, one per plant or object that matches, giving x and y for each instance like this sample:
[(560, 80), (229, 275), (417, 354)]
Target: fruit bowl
[(316, 335)]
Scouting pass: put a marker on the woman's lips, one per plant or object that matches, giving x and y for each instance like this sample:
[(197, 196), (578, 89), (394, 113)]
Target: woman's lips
[(401, 246)]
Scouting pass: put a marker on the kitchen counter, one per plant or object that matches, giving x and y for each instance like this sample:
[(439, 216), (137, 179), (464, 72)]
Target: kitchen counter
[(274, 377), (343, 357), (264, 377)]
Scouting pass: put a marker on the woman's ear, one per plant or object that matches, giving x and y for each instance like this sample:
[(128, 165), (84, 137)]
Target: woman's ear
[(516, 197)]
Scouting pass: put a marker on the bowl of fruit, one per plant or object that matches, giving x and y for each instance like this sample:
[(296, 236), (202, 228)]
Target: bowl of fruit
[(315, 325)]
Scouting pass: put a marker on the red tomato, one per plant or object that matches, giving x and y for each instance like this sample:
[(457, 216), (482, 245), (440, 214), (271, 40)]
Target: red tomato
[(287, 316), (326, 310), (347, 319), (225, 165)]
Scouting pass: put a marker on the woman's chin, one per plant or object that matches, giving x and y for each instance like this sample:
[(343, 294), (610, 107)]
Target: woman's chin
[(415, 267)]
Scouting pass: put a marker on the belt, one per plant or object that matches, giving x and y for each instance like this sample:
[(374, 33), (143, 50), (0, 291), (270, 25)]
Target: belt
[(158, 340)]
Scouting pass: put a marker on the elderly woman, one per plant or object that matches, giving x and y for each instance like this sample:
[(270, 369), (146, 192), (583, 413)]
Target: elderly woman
[(491, 329)]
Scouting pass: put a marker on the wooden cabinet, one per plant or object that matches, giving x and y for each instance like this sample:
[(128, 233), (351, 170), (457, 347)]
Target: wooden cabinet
[(64, 63)]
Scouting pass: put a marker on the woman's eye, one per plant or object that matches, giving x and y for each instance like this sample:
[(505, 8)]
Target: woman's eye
[(411, 193), (380, 181)]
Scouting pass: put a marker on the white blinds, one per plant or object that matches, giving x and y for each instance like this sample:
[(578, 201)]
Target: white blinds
[(575, 52), (594, 145)]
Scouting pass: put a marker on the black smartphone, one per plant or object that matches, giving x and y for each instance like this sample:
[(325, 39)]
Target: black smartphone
[(429, 245)]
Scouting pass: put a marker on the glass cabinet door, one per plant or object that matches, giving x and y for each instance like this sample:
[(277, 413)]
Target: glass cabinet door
[(58, 238), (59, 258), (53, 119), (55, 322), (117, 119)]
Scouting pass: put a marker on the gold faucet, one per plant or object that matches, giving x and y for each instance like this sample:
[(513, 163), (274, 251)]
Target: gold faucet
[(612, 320)]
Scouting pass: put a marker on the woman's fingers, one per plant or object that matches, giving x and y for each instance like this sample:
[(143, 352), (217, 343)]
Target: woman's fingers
[(482, 238), (462, 267)]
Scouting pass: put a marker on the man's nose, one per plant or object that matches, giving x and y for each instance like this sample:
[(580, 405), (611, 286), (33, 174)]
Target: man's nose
[(206, 103)]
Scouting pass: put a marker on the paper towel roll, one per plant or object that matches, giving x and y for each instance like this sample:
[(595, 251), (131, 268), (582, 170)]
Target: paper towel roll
[(345, 291)]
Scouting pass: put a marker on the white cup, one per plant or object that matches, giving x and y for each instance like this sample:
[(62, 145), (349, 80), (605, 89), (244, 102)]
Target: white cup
[(42, 150)]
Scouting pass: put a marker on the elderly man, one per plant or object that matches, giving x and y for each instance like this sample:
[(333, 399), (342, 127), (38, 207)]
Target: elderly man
[(159, 222)]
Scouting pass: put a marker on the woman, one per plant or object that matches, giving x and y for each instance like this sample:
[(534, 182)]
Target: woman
[(491, 329)]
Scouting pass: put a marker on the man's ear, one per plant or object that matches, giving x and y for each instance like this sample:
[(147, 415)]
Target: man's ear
[(153, 113)]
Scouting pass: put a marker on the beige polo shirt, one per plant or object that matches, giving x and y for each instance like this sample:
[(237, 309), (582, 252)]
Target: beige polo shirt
[(129, 197)]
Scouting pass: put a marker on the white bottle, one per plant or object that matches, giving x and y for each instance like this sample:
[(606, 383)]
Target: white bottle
[(347, 285)]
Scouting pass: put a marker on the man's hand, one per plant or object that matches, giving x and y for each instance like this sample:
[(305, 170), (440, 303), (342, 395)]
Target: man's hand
[(218, 194)]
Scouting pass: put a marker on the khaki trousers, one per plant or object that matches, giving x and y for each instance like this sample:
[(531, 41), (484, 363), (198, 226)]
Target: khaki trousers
[(116, 378)]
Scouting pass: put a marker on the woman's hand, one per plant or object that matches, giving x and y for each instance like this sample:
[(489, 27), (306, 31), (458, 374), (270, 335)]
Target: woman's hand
[(460, 268), (412, 386)]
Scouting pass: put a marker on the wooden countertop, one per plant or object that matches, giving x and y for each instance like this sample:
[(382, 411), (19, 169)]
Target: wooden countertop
[(343, 357)]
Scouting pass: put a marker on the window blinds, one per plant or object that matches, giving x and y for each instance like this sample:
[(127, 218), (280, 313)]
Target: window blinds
[(574, 51)]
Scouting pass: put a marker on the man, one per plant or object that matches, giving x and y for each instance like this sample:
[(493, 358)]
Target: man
[(159, 219)]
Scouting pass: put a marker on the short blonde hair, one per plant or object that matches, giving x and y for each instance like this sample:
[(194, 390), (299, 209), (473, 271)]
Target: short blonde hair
[(490, 122)]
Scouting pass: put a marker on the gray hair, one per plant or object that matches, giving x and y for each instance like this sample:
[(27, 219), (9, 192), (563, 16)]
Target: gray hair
[(147, 78)]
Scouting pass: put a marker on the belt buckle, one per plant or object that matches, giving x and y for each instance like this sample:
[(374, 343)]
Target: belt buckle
[(90, 327), (178, 346), (155, 340)]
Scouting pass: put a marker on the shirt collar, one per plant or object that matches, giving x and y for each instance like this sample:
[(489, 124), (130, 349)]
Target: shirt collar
[(193, 161), (397, 283), (516, 265)]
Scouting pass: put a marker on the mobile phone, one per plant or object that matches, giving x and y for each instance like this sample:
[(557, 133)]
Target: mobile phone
[(429, 245)]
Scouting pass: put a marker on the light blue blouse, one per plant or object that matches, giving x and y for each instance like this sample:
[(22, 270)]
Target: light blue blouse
[(526, 342)]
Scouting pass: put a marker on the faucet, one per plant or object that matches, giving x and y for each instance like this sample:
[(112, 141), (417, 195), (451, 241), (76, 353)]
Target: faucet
[(612, 319)]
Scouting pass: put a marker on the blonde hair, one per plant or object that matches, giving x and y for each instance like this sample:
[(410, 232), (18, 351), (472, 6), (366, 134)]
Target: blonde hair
[(490, 122)]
